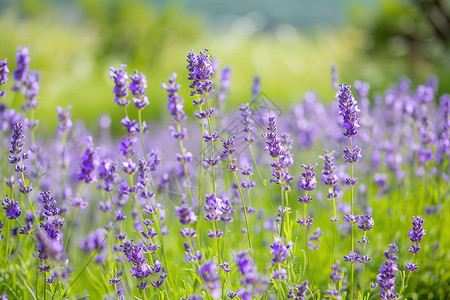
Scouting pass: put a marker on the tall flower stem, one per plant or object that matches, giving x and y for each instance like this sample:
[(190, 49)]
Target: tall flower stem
[(29, 199), (335, 226), (141, 137), (245, 209), (261, 178), (364, 268), (282, 210), (186, 176), (72, 220), (212, 148), (307, 249), (64, 167), (351, 227)]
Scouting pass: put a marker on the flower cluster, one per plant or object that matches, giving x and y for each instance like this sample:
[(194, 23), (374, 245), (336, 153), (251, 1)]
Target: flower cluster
[(415, 235), (11, 208), (50, 243), (120, 89), (348, 110), (252, 283), (200, 71), (3, 75), (138, 87), (248, 122), (386, 277), (276, 150), (336, 277), (89, 162), (64, 118), (211, 278)]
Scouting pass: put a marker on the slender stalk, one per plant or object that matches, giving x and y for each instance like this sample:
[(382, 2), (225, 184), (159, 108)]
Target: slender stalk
[(335, 226), (29, 200), (72, 220), (183, 151), (64, 167), (282, 211), (351, 228), (364, 268), (245, 209), (212, 148), (307, 249)]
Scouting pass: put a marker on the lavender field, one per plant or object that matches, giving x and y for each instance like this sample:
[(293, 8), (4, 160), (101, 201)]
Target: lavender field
[(344, 200)]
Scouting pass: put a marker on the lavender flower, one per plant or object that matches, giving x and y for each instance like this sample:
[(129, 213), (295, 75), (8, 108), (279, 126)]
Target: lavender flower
[(200, 71), (348, 110), (248, 122), (120, 90), (308, 180), (138, 87), (280, 250), (253, 283), (211, 278), (3, 75), (17, 145), (256, 87), (64, 115), (11, 208), (135, 254), (365, 222), (225, 83), (89, 162), (176, 103), (185, 213), (386, 277), (20, 75), (50, 244), (417, 232), (314, 237)]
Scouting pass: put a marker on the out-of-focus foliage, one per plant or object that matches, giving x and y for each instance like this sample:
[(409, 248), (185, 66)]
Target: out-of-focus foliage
[(74, 43)]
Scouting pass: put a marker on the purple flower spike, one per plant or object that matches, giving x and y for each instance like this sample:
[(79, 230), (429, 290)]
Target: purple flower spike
[(248, 122), (386, 277), (64, 118), (210, 276), (308, 180), (228, 146), (200, 71), (138, 87), (280, 250), (417, 232), (11, 208), (89, 162), (365, 222), (120, 90), (3, 75), (329, 176), (176, 103), (20, 75), (348, 110)]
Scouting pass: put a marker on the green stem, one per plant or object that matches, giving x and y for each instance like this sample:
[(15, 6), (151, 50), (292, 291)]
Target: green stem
[(307, 250), (183, 151), (245, 209), (64, 167), (28, 197), (351, 229), (364, 268), (212, 148), (72, 220)]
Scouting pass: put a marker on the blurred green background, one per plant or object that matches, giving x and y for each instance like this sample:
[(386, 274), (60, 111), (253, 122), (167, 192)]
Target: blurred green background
[(290, 44)]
